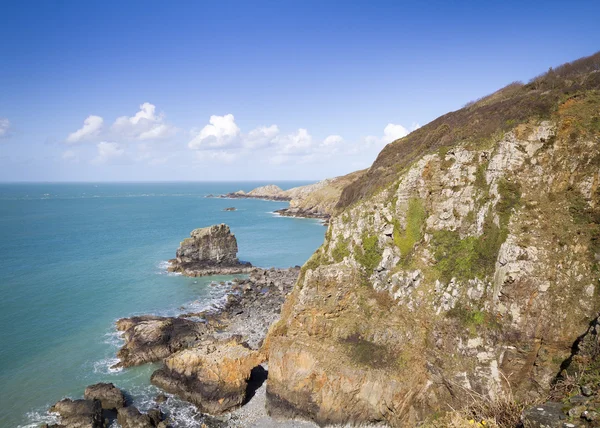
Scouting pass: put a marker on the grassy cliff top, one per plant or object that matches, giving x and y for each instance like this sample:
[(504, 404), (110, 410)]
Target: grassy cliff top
[(481, 120)]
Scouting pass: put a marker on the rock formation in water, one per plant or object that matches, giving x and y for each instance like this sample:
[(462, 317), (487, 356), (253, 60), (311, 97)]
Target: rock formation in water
[(103, 404), (463, 263), (209, 251), (251, 307)]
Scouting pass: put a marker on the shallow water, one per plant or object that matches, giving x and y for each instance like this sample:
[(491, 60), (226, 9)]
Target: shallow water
[(76, 257)]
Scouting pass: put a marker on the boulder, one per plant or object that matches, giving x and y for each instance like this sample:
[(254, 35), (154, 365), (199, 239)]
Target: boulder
[(79, 413), (208, 251), (131, 417), (152, 338), (109, 395), (214, 377)]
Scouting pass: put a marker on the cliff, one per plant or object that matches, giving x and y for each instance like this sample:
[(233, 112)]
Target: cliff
[(462, 263)]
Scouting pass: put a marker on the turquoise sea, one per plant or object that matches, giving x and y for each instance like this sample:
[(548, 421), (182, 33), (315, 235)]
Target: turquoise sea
[(76, 257)]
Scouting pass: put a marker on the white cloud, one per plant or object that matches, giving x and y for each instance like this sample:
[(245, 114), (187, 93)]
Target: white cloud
[(91, 128), (221, 156), (332, 140), (221, 131), (70, 156), (107, 152), (4, 126), (299, 142), (144, 125), (261, 137), (392, 132)]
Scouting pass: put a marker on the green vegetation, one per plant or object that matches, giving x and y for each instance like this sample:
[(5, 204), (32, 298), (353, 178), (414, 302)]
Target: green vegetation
[(369, 255), (367, 353), (475, 257), (406, 239), (480, 181), (587, 218), (471, 318), (340, 251)]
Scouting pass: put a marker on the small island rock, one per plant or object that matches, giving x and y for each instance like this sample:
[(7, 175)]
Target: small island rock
[(209, 251)]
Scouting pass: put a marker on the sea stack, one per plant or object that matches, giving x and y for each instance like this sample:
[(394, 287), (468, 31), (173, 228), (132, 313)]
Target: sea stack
[(209, 251)]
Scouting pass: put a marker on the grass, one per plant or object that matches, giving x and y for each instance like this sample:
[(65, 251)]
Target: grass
[(340, 251), (369, 255), (406, 239), (475, 257)]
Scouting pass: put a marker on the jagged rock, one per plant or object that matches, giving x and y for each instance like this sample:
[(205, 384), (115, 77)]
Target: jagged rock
[(109, 395), (214, 378), (151, 338), (209, 251), (131, 417), (79, 413)]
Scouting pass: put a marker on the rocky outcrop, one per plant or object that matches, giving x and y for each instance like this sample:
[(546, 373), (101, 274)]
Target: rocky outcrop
[(252, 305), (131, 417), (103, 404), (209, 251), (213, 377), (110, 397), (317, 200), (151, 338), (79, 413), (468, 269)]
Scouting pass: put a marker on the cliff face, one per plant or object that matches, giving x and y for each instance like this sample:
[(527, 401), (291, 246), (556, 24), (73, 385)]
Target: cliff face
[(459, 262)]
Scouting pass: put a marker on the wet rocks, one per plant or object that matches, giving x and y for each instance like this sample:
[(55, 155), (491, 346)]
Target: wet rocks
[(230, 209), (109, 395), (209, 251), (131, 417), (214, 377), (79, 413), (104, 403)]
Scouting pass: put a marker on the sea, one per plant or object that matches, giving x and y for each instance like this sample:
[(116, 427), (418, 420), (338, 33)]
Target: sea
[(76, 257)]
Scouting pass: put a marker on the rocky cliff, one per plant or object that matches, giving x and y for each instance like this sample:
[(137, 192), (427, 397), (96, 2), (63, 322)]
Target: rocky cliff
[(463, 262), (209, 251)]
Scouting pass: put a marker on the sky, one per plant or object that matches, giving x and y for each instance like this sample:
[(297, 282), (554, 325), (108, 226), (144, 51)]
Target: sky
[(254, 90)]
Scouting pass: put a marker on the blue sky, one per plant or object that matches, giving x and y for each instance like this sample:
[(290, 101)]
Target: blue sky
[(135, 91)]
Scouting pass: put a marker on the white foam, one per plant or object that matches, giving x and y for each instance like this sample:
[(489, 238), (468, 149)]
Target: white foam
[(36, 418), (105, 366), (163, 267)]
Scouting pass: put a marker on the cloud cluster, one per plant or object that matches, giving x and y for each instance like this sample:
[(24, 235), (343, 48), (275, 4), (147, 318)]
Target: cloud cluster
[(220, 141), (145, 125), (90, 129), (4, 127)]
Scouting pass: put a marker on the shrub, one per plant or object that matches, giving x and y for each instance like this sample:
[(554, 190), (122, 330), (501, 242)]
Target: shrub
[(369, 255), (340, 251)]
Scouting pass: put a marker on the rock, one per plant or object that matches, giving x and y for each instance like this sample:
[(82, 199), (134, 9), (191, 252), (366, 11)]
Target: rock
[(109, 395), (152, 338), (160, 398), (547, 415), (590, 416), (208, 251), (575, 412), (79, 413), (130, 417), (214, 378), (587, 391), (230, 209)]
